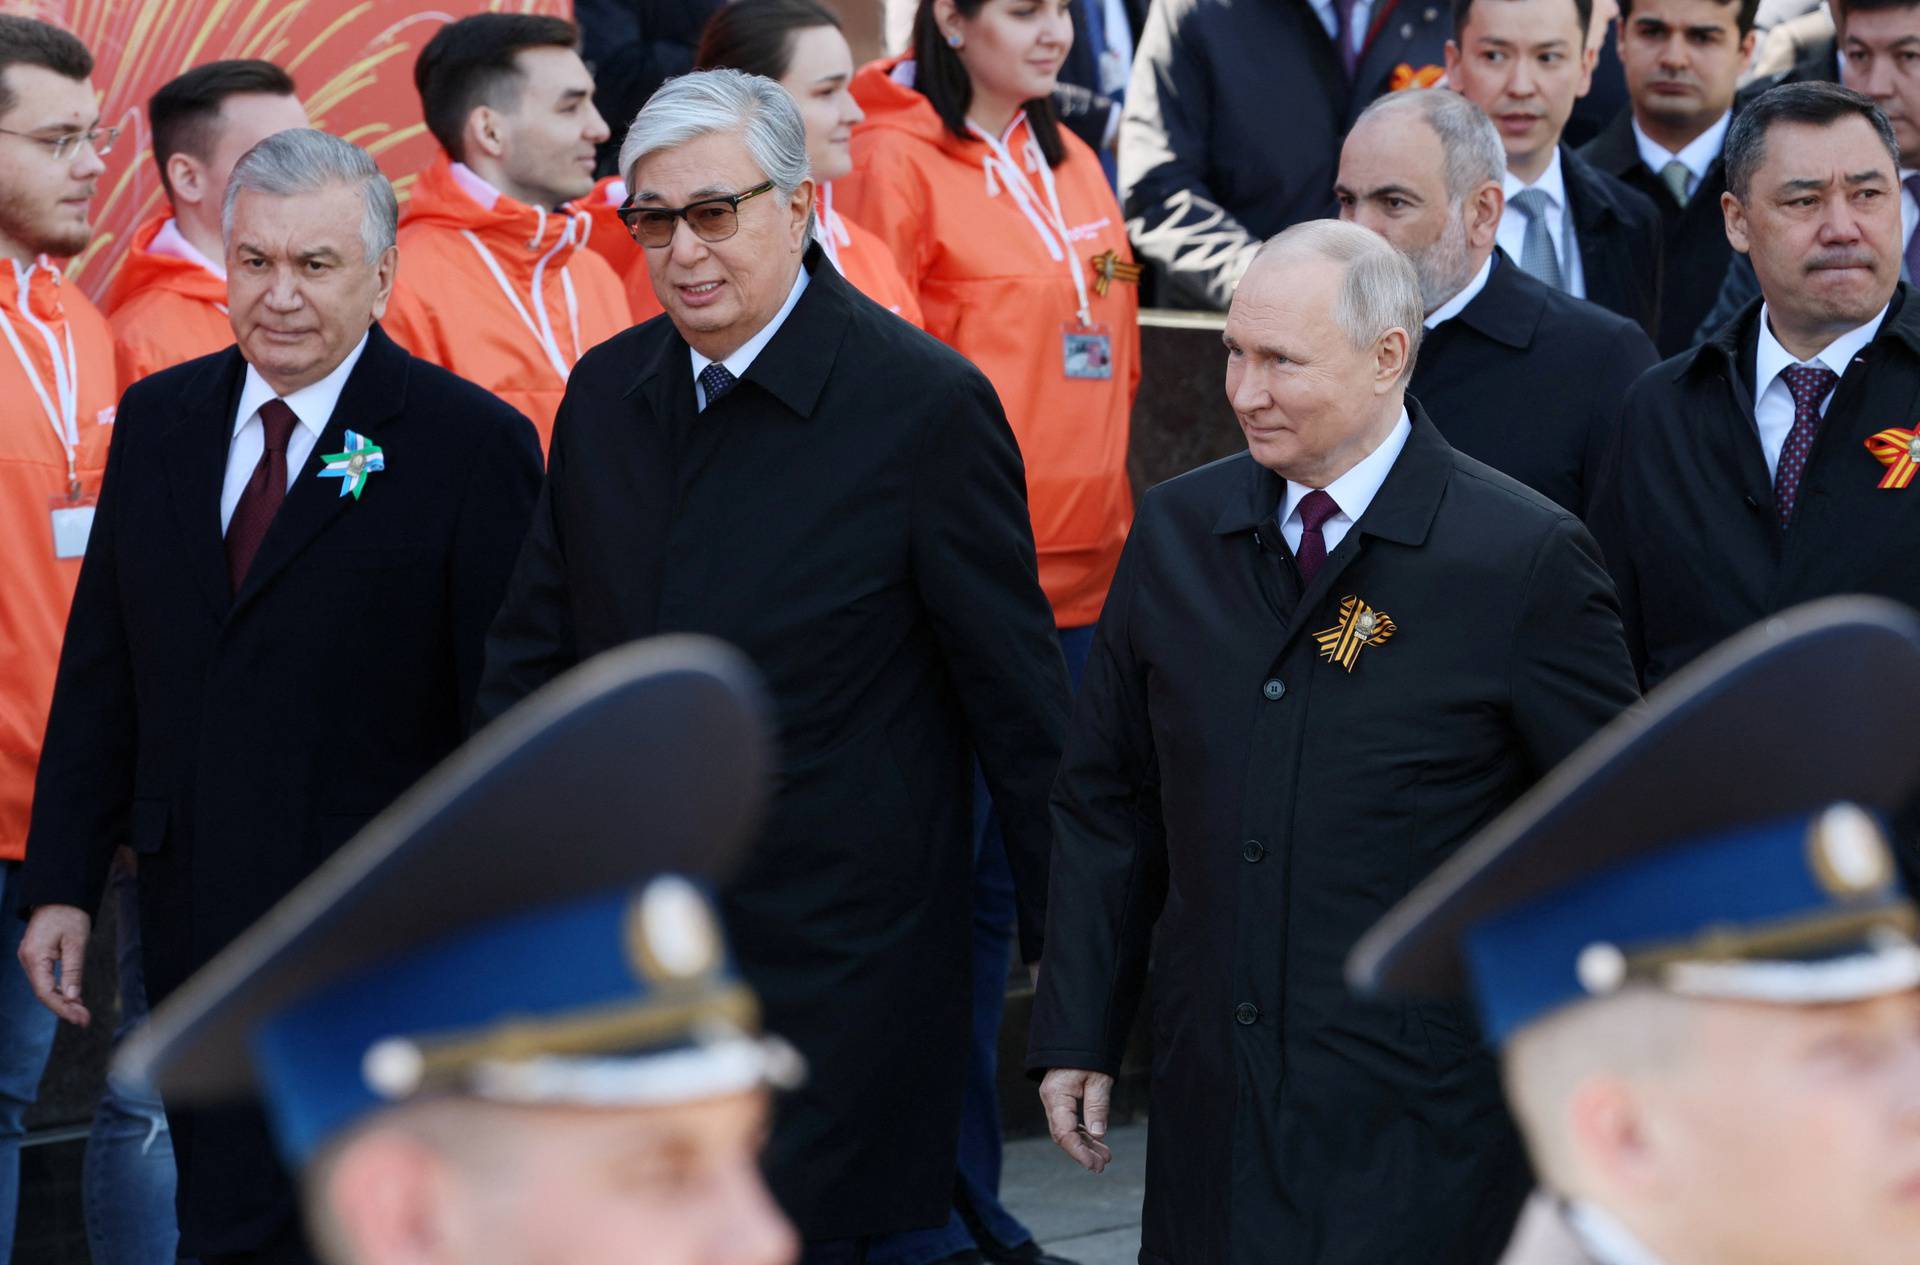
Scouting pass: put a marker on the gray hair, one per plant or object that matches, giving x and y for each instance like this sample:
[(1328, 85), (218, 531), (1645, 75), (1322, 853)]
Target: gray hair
[(1380, 291), (304, 161), (709, 101), (1468, 139)]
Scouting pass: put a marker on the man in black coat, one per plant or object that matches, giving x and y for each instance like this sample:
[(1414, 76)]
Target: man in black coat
[(1323, 664), (1567, 224), (278, 626), (1513, 372), (1233, 123), (1767, 467), (840, 496), (1683, 61)]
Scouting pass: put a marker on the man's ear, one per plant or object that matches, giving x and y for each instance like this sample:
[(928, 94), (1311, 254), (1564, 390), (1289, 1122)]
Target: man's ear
[(387, 1195), (1485, 206), (1390, 355), (187, 179), (1735, 216), (486, 132), (800, 205), (385, 273), (1612, 1143)]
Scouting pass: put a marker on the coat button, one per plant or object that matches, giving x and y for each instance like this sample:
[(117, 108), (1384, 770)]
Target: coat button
[(1406, 31), (1273, 690), (1253, 851), (1246, 1012), (1430, 14)]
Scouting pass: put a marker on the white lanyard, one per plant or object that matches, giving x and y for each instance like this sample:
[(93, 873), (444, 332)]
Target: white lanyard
[(64, 419), (543, 332), (833, 230), (1024, 194)]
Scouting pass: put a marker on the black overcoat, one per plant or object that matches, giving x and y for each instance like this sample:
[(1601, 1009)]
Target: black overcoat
[(1618, 231), (236, 741), (853, 515), (1685, 511), (1265, 806)]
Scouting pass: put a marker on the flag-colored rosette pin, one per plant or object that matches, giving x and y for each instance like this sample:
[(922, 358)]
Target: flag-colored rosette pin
[(361, 458)]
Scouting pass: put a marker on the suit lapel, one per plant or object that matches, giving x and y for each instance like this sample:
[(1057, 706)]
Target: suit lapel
[(371, 405), (195, 457)]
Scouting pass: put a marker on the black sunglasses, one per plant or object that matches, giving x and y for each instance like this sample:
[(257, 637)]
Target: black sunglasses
[(712, 219)]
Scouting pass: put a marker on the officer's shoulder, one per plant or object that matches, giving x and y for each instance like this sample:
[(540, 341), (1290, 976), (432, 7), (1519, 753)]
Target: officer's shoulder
[(448, 394), (1479, 489), (1199, 490), (203, 376), (1594, 325)]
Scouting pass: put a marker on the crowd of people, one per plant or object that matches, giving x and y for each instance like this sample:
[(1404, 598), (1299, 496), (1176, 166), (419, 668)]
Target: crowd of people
[(333, 530)]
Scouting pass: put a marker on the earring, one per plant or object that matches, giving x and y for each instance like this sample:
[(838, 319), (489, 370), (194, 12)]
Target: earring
[(954, 41)]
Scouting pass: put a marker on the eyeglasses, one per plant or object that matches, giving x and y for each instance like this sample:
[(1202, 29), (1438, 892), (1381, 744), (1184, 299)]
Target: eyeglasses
[(711, 219), (65, 147)]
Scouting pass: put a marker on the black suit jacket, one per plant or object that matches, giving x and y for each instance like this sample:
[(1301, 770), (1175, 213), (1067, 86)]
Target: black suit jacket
[(1694, 246), (236, 740), (1685, 507), (1529, 379), (853, 516), (1250, 807), (1619, 234)]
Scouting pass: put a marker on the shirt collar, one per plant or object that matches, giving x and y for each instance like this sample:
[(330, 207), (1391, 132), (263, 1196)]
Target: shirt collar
[(1771, 359), (1458, 303), (312, 404), (171, 243), (1696, 155), (1551, 182), (475, 186), (1602, 1235), (737, 363), (1354, 491)]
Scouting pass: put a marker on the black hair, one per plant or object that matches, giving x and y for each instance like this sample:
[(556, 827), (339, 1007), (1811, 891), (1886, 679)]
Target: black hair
[(941, 77), (470, 63), (1840, 10), (1743, 18), (185, 112), (757, 35), (1812, 102), (1584, 8), (30, 42)]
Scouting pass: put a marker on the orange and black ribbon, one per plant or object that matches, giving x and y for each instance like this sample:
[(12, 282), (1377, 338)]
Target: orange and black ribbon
[(1109, 268), (1360, 625), (1405, 77), (1899, 451)]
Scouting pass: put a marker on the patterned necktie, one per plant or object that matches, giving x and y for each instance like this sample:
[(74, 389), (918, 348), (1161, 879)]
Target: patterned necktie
[(1808, 384), (1913, 243), (1538, 258), (1316, 508), (261, 498), (716, 380), (1677, 178)]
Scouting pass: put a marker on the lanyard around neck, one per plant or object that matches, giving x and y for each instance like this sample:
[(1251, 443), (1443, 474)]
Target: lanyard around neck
[(63, 417), (1000, 160), (542, 331)]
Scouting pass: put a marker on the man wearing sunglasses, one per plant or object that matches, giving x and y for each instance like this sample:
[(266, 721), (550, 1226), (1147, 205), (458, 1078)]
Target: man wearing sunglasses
[(57, 384), (785, 464)]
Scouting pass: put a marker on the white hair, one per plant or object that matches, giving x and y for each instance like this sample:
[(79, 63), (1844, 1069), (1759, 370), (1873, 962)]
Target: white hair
[(715, 101), (1380, 291), (304, 161), (1469, 142)]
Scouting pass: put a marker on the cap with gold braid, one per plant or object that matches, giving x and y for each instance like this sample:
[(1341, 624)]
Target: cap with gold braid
[(529, 924), (1727, 838)]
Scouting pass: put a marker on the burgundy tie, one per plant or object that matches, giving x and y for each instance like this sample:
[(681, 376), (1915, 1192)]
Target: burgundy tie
[(263, 494), (1316, 508), (1808, 384), (1349, 47)]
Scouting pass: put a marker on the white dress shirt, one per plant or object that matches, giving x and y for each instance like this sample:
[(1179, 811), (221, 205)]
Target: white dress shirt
[(737, 363), (1329, 15), (1773, 402), (1909, 213), (1602, 1235), (312, 405), (1352, 491), (1696, 156), (1458, 303), (1512, 233)]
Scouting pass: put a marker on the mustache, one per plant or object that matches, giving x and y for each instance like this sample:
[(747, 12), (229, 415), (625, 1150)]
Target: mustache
[(1851, 257)]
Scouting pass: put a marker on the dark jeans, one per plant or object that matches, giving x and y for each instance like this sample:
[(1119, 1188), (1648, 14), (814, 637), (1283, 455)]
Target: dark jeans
[(26, 1036)]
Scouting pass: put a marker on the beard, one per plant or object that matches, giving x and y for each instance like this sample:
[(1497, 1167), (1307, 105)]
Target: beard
[(1445, 267), (39, 229)]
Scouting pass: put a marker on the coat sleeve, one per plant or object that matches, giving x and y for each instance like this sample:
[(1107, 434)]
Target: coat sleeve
[(1738, 288), (83, 788), (531, 639), (1110, 855), (974, 565), (1610, 519), (1176, 221), (1629, 354), (494, 514), (1570, 672)]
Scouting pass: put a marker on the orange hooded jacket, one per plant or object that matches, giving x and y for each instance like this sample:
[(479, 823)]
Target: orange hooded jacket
[(976, 242), (164, 309), (861, 257), (33, 479), (503, 296)]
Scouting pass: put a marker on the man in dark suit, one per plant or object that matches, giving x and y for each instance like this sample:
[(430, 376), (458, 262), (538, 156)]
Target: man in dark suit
[(785, 465), (1324, 663), (278, 625), (1525, 62), (1766, 467), (1683, 60), (1206, 173), (1513, 372)]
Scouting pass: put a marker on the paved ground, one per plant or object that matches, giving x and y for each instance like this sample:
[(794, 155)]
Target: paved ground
[(1094, 1220)]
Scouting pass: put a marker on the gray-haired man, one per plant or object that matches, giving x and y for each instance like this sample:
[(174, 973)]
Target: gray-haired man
[(1323, 664), (278, 623), (1515, 373), (784, 464)]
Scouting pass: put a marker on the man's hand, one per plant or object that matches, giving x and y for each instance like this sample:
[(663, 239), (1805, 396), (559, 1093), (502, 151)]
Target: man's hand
[(1067, 1093), (53, 952)]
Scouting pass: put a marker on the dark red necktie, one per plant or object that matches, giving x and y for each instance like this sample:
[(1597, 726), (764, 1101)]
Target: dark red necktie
[(263, 494), (1808, 385), (1316, 508)]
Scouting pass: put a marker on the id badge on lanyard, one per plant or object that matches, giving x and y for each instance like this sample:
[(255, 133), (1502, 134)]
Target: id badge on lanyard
[(1087, 349), (71, 512), (72, 521)]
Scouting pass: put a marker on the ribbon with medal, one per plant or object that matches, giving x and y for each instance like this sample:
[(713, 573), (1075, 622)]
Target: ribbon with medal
[(1360, 626), (1108, 268), (361, 458), (1899, 451)]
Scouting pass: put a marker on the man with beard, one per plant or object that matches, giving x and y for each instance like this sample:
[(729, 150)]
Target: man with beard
[(1514, 373)]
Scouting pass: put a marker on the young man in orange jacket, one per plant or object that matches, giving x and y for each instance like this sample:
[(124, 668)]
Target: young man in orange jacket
[(498, 287), (168, 302)]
